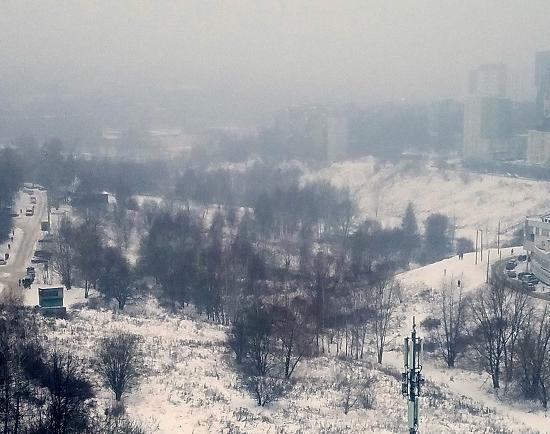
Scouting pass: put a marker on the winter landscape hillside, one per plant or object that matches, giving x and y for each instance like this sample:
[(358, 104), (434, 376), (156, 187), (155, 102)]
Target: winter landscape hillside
[(473, 201), (274, 217)]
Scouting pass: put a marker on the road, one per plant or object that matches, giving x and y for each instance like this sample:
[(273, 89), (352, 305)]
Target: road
[(27, 234), (515, 284)]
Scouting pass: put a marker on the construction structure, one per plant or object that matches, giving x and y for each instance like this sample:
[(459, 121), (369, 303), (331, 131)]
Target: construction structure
[(412, 378)]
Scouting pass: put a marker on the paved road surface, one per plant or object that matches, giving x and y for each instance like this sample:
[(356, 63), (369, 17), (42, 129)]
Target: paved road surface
[(27, 235)]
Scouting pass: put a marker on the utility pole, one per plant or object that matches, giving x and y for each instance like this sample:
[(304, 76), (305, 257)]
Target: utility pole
[(498, 238), (481, 244), (477, 235), (488, 254), (412, 378)]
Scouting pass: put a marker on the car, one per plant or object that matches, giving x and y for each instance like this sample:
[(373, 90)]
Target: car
[(33, 200), (511, 273), (522, 258), (3, 261), (530, 286), (510, 265), (533, 279), (29, 212), (524, 275)]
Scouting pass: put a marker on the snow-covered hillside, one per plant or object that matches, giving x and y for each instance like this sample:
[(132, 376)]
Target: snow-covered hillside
[(382, 191), (422, 286), (190, 386)]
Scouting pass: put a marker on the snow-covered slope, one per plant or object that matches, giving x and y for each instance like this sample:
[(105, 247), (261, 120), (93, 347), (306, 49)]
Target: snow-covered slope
[(473, 200), (422, 286), (191, 387)]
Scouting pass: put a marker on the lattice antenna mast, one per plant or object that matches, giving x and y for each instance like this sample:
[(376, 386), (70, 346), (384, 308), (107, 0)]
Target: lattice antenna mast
[(412, 379)]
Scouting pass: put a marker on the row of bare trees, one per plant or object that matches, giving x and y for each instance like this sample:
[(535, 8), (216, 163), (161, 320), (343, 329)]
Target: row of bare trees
[(502, 328), (80, 253), (270, 340)]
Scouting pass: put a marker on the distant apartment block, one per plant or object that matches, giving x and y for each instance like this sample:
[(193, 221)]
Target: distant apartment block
[(313, 132), (487, 115), (538, 139), (445, 125), (542, 83)]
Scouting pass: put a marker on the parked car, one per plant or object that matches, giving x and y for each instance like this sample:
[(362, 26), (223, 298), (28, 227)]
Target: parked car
[(33, 200), (3, 261), (530, 286), (29, 211), (510, 265), (524, 275), (522, 258), (533, 279), (511, 273)]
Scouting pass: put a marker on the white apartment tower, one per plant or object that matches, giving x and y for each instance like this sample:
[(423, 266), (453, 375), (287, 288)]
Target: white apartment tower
[(487, 115)]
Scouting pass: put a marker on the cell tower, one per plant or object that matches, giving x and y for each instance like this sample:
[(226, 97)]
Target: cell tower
[(412, 378)]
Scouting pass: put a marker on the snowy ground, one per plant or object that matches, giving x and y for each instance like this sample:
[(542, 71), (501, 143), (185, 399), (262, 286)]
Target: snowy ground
[(421, 286), (191, 387), (474, 201)]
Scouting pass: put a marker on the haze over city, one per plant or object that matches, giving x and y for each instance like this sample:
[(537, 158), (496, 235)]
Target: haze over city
[(274, 217), (260, 56)]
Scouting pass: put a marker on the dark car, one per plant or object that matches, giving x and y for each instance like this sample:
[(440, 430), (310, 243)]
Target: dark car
[(530, 286), (533, 279), (524, 275), (510, 265), (511, 274), (522, 258)]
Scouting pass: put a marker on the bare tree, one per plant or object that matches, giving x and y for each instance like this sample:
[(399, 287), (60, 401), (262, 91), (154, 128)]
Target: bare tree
[(293, 332), (534, 360), (64, 254), (498, 314), (89, 249), (118, 362), (452, 311), (116, 277), (385, 296), (356, 389)]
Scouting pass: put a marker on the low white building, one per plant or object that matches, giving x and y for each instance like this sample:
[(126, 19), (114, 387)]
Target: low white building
[(536, 242)]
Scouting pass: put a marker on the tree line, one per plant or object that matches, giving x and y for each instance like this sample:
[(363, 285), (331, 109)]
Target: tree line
[(47, 390), (501, 330)]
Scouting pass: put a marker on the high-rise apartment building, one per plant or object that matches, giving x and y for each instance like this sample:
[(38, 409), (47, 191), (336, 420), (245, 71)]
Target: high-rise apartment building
[(313, 132), (538, 139), (542, 83), (487, 115)]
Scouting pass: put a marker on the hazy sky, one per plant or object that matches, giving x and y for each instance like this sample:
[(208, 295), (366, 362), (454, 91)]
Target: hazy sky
[(279, 51)]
